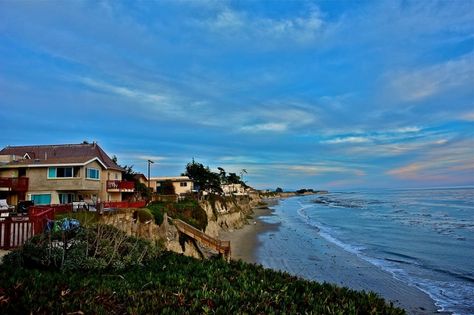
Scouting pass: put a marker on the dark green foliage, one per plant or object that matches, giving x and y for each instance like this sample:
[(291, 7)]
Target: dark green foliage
[(142, 190), (167, 188), (97, 248), (204, 179), (143, 215), (174, 284), (278, 190), (157, 209), (187, 210), (304, 190)]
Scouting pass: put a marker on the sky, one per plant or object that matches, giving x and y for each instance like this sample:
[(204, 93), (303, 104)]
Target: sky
[(323, 95)]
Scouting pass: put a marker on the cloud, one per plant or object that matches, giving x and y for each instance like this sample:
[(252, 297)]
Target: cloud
[(468, 116), (300, 29), (324, 169), (266, 127), (134, 94), (449, 162), (347, 140), (407, 130), (154, 158), (419, 84)]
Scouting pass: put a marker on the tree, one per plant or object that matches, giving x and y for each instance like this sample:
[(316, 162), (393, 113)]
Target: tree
[(222, 175), (204, 179), (167, 188), (279, 190), (233, 179)]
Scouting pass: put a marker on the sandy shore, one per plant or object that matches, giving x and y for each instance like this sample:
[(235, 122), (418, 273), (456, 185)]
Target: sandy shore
[(276, 246), (244, 241)]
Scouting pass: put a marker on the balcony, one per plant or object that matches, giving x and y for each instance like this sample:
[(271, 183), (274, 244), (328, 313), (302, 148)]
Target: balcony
[(120, 186), (14, 183)]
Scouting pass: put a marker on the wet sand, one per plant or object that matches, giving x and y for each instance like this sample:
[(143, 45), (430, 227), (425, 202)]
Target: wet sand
[(263, 243)]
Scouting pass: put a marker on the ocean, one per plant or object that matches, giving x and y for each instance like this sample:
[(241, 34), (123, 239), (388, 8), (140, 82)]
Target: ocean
[(423, 238)]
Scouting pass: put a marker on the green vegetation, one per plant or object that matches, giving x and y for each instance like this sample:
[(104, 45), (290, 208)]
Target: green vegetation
[(304, 190), (207, 180), (279, 190), (101, 247), (174, 284), (143, 215), (187, 210), (86, 218)]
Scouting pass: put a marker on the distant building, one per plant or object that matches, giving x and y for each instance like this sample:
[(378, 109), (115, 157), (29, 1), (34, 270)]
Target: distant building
[(140, 178), (57, 174), (182, 184), (234, 189)]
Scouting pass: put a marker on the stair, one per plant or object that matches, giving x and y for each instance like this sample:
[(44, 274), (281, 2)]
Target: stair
[(222, 247)]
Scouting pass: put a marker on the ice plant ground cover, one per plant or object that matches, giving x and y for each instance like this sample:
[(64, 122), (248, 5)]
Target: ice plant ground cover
[(166, 282)]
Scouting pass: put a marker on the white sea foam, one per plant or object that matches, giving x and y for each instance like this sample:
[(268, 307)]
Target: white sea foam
[(454, 296)]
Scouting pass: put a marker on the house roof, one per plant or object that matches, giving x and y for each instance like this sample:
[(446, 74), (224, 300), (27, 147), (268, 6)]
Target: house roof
[(173, 179), (139, 176), (59, 154)]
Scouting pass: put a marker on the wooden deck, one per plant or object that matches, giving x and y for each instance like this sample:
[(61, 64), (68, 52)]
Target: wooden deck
[(222, 247)]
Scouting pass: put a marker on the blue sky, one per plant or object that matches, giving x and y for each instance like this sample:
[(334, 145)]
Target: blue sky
[(328, 95)]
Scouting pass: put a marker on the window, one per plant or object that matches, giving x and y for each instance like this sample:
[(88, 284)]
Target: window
[(41, 199), (60, 172), (21, 172), (92, 173), (183, 184), (66, 198)]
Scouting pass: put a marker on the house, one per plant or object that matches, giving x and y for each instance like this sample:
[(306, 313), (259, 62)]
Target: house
[(58, 174), (234, 189), (182, 184), (140, 178)]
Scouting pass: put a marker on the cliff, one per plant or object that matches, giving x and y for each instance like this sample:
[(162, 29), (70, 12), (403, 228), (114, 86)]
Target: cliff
[(223, 213)]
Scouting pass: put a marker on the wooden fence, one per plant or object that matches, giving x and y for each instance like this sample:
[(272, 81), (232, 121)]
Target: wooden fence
[(15, 231)]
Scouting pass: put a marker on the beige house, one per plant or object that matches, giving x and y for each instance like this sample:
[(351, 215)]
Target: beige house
[(57, 174), (182, 184), (234, 189)]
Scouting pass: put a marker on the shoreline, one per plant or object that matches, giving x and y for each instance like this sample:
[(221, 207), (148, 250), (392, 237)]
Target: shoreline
[(253, 243)]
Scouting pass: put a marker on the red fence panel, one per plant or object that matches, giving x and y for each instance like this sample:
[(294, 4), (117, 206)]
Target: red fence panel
[(15, 231), (123, 204)]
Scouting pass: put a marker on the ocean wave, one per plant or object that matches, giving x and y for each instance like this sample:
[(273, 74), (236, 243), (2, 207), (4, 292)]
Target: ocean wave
[(446, 296)]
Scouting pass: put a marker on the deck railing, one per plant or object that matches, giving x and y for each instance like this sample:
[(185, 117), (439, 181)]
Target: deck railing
[(121, 185), (14, 183)]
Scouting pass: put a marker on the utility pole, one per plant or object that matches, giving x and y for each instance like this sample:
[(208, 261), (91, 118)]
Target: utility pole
[(149, 162)]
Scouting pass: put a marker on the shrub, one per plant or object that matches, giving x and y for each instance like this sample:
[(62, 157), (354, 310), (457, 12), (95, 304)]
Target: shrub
[(97, 248), (143, 215)]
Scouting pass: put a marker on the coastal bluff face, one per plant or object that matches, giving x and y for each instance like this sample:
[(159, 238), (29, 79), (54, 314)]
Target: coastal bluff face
[(223, 214)]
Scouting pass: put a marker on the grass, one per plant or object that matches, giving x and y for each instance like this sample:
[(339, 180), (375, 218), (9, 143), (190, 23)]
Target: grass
[(174, 284)]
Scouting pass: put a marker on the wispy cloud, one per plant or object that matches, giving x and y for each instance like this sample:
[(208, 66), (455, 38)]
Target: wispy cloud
[(266, 127), (347, 140), (324, 169), (418, 84), (468, 116), (448, 162), (229, 22)]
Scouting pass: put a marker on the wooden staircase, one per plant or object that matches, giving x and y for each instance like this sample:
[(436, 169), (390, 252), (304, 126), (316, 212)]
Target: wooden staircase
[(222, 247)]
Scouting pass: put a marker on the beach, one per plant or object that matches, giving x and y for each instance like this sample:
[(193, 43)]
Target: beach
[(264, 240)]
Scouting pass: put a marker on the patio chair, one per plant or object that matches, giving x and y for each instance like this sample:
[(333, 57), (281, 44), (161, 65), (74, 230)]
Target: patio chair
[(4, 205)]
